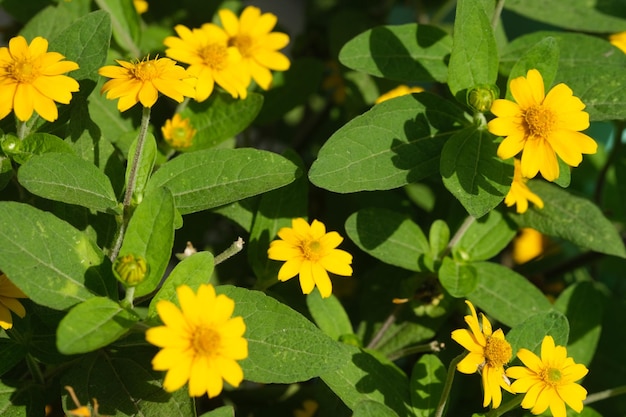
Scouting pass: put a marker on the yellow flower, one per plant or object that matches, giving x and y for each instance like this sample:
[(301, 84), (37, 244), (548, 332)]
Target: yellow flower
[(541, 126), (200, 342), (211, 59), (528, 245), (401, 90), (141, 81), (178, 132), (9, 294), (31, 79), (619, 40), (310, 252), (309, 408), (141, 6), (258, 45), (549, 381), (488, 353), (519, 193)]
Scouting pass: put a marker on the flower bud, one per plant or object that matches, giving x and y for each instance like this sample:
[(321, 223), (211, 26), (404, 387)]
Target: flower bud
[(130, 270), (11, 145), (482, 96)]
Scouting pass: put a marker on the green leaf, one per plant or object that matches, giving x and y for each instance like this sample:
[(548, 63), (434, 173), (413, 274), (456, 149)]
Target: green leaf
[(284, 347), (474, 56), (6, 172), (589, 65), (214, 177), (93, 324), (393, 144), (107, 117), (505, 295), (219, 118), (427, 381), (51, 20), (70, 179), (583, 304), (472, 171), (54, 264), (86, 42), (125, 385), (150, 235), (40, 143), (11, 353), (571, 218), (407, 53), (581, 15), (22, 399), (485, 237), (192, 271), (329, 315), (366, 377), (543, 56), (458, 278), (143, 167), (225, 411), (438, 237), (530, 333), (125, 23), (276, 209), (388, 236), (369, 408)]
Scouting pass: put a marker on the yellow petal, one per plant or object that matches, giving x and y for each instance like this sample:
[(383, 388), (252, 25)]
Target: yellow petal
[(229, 21), (229, 370), (322, 280), (531, 360), (178, 375), (511, 145), (198, 376), (290, 269), (23, 104), (573, 395), (307, 283)]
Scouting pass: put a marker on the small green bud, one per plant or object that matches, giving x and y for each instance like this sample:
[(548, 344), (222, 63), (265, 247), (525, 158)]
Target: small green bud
[(130, 270), (11, 145), (482, 96)]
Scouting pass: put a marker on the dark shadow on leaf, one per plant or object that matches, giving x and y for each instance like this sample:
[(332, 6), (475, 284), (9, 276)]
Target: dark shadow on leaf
[(584, 311), (374, 231), (426, 394)]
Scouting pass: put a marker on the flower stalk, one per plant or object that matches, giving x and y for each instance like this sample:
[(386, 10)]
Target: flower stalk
[(448, 385)]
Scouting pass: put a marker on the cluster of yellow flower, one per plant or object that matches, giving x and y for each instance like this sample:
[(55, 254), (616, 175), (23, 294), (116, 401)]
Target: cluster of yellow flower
[(548, 381)]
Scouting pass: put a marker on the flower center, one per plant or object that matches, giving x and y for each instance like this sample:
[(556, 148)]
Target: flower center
[(206, 341), (215, 56), (145, 70), (23, 71), (551, 376), (539, 121), (243, 43), (312, 250), (497, 352)]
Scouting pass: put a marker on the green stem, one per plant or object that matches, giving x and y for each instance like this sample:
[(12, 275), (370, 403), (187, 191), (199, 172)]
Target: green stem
[(182, 105), (443, 11), (130, 296), (132, 181), (383, 329), (603, 395), (448, 385), (22, 129), (433, 346), (232, 250), (506, 407), (34, 369), (496, 14), (459, 234)]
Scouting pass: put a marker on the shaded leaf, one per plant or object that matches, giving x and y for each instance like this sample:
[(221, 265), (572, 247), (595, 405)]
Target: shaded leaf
[(427, 382), (407, 53), (329, 315), (485, 237), (530, 333), (458, 278)]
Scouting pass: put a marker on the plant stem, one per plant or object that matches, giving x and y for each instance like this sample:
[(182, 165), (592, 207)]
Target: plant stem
[(496, 14), (130, 296), (34, 369), (433, 346), (448, 385), (603, 395), (443, 12), (515, 402), (459, 234), (383, 329), (132, 181), (232, 250), (182, 105), (22, 129)]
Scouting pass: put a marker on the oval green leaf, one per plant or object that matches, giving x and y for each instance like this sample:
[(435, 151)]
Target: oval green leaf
[(458, 278), (486, 237)]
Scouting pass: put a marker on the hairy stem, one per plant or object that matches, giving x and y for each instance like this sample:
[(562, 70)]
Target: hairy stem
[(383, 329), (448, 385), (603, 395), (496, 14), (232, 250)]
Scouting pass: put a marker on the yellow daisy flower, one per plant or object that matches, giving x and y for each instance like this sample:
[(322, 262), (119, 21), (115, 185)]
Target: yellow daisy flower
[(9, 294), (200, 342), (310, 252), (488, 353), (519, 193), (401, 90), (258, 45), (178, 132), (549, 381), (541, 126), (528, 245), (141, 81), (31, 79), (619, 40), (141, 6), (211, 59)]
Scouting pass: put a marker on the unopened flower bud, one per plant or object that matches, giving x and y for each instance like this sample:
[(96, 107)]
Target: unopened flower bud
[(130, 270), (482, 96)]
